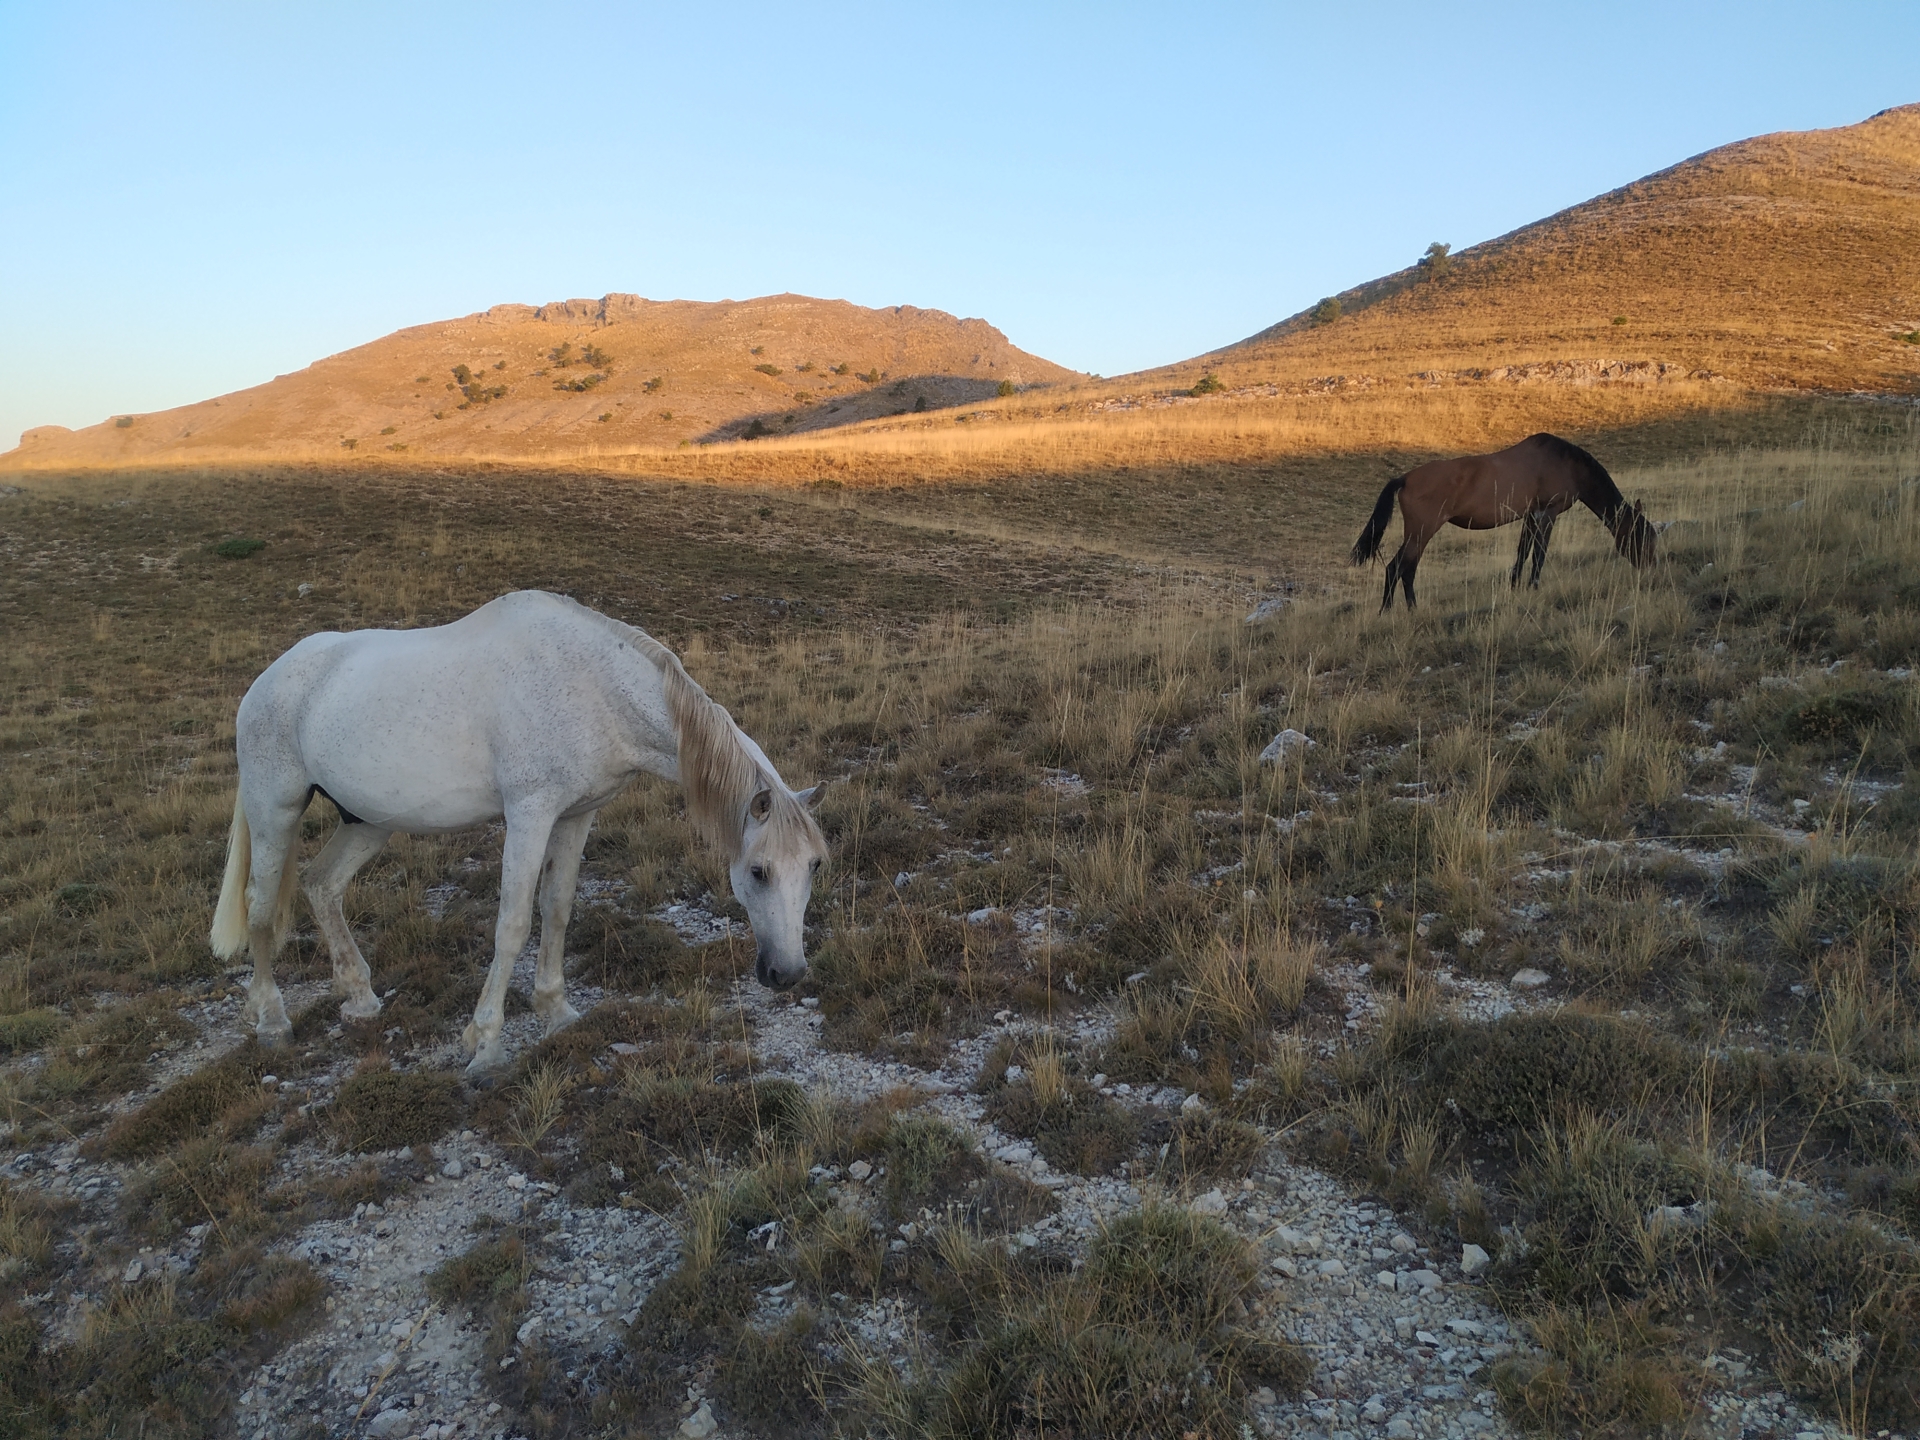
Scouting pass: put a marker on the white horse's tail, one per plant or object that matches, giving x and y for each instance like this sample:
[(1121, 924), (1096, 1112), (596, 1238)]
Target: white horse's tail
[(230, 933), (229, 936)]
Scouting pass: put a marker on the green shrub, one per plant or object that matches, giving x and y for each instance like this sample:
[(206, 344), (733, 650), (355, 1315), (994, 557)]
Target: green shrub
[(1508, 1077), (768, 369), (1841, 715), (383, 1109), (238, 548), (27, 1031), (1003, 389), (1842, 1305), (124, 422), (1437, 262), (1326, 312), (1208, 384)]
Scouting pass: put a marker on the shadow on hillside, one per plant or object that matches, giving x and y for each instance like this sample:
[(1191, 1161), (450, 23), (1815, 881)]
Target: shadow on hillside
[(892, 396)]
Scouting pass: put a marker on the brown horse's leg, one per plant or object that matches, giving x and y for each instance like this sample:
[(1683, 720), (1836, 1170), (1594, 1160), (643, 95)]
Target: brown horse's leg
[(1393, 579), (1520, 560), (1409, 561), (1543, 532)]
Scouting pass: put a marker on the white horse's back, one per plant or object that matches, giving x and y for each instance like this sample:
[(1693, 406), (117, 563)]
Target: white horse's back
[(440, 728)]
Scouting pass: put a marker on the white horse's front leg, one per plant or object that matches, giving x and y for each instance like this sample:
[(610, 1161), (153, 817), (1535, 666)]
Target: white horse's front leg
[(520, 864), (346, 850), (558, 879)]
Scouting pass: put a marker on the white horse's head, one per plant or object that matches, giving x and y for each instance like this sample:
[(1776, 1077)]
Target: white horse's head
[(781, 851)]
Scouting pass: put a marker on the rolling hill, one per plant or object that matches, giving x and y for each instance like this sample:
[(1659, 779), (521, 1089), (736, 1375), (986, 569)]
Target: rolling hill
[(614, 373), (1784, 265), (1788, 261)]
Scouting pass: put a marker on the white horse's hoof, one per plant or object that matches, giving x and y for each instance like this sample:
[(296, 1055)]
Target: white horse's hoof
[(274, 1037), (486, 1062), (360, 1007), (559, 1017), (470, 1039)]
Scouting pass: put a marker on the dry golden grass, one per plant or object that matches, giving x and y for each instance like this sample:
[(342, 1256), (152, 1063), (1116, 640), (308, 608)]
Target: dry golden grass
[(1003, 741)]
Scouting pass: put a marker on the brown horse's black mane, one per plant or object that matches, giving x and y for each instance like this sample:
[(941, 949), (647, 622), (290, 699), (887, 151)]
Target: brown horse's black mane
[(1597, 490)]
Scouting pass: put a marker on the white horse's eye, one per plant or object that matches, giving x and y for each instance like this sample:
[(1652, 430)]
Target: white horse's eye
[(760, 873), (816, 866)]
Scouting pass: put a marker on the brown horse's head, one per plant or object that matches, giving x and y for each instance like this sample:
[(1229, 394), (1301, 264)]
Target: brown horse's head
[(1633, 534)]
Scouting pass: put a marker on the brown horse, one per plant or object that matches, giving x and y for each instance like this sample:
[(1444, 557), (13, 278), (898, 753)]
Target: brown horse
[(1533, 482)]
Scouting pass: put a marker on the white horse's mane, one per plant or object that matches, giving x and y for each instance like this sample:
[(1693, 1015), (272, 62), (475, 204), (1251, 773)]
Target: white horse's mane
[(719, 772)]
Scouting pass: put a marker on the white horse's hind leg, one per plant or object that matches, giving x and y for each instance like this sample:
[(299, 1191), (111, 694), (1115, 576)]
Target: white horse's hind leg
[(558, 879), (269, 908), (520, 865), (325, 881)]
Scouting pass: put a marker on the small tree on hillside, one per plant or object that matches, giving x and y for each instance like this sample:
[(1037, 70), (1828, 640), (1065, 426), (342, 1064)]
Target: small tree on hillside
[(1326, 312), (1437, 261)]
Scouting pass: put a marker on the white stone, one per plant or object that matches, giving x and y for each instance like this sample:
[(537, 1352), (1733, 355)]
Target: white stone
[(1385, 1280), (1263, 1396), (1192, 1105), (1473, 1259), (700, 1424), (453, 1169), (135, 1269), (859, 1170), (1271, 605), (1529, 979), (1399, 1428), (1419, 1280), (1284, 1264), (390, 1424), (1283, 745), (1211, 1203), (1331, 1268), (1404, 1244), (516, 1181), (1009, 1155), (529, 1329)]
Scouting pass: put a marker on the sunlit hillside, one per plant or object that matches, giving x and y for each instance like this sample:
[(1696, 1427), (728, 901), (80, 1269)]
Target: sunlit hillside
[(1788, 260), (620, 372)]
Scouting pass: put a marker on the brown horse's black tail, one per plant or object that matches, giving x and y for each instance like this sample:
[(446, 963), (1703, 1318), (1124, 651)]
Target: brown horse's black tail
[(1368, 545)]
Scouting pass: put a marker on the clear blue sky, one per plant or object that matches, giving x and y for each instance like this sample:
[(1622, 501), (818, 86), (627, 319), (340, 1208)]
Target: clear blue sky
[(194, 198)]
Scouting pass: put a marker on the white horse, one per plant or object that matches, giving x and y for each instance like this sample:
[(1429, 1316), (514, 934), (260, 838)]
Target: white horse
[(533, 708)]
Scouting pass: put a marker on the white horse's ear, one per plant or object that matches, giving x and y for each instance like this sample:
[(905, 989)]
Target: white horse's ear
[(810, 797), (761, 805)]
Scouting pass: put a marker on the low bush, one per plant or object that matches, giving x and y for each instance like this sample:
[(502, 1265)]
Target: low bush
[(381, 1108)]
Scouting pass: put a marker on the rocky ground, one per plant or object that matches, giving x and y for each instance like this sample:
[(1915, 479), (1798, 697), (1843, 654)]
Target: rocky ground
[(1401, 1334)]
